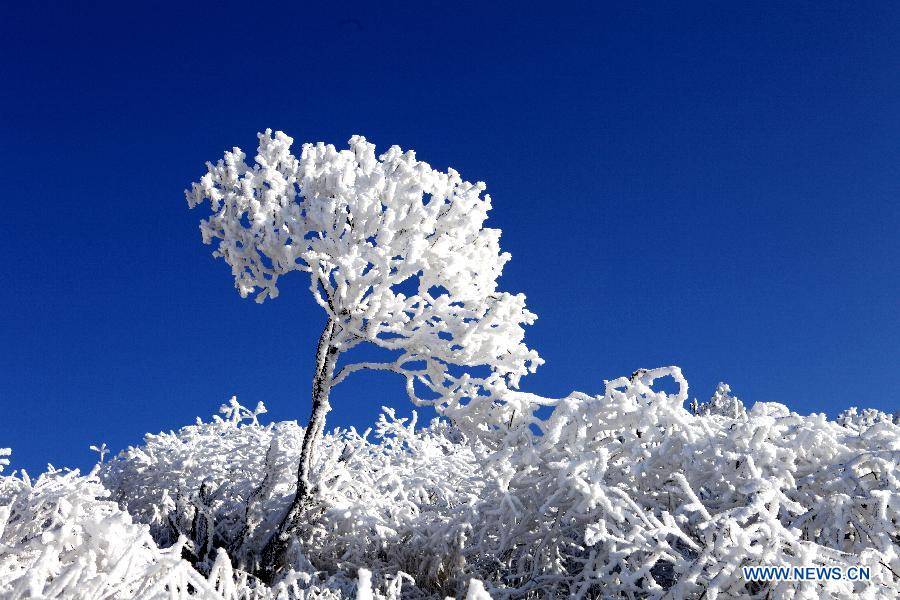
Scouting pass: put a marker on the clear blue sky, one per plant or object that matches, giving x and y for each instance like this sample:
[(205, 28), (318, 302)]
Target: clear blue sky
[(714, 187)]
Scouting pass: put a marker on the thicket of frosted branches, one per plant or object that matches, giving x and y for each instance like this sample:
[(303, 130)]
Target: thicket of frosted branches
[(627, 494)]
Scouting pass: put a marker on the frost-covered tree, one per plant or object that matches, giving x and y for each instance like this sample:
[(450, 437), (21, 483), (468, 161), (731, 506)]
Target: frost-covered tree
[(398, 256)]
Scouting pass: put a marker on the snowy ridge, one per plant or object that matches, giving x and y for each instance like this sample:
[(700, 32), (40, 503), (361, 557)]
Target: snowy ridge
[(626, 494)]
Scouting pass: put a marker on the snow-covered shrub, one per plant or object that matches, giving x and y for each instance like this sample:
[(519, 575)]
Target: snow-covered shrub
[(854, 419), (630, 494), (625, 494), (393, 499), (60, 539), (722, 403), (176, 481)]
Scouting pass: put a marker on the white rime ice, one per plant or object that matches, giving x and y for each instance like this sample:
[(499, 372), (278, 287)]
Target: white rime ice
[(397, 255), (507, 495), (626, 494)]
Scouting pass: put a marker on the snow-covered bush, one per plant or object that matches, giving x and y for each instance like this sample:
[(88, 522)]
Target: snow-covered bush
[(854, 419), (722, 403), (394, 499), (60, 539), (622, 494), (628, 493)]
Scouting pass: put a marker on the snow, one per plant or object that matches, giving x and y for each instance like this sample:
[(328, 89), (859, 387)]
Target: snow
[(625, 493)]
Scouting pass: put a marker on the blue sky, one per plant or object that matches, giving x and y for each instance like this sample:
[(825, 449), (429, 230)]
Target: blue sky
[(714, 187)]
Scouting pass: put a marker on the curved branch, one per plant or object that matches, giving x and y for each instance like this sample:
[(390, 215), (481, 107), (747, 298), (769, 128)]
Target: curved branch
[(349, 369)]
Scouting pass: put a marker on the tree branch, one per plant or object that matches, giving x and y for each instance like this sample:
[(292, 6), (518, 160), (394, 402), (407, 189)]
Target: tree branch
[(349, 369)]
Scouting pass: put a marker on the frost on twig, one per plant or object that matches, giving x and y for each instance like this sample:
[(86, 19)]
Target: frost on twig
[(102, 450)]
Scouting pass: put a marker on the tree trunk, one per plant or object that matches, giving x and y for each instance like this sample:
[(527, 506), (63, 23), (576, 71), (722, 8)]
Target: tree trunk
[(274, 554)]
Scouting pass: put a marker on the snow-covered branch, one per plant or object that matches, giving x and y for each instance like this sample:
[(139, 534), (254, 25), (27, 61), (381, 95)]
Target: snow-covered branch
[(372, 366)]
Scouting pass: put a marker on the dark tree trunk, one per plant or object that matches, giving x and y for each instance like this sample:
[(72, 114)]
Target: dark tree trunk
[(202, 527), (274, 554)]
